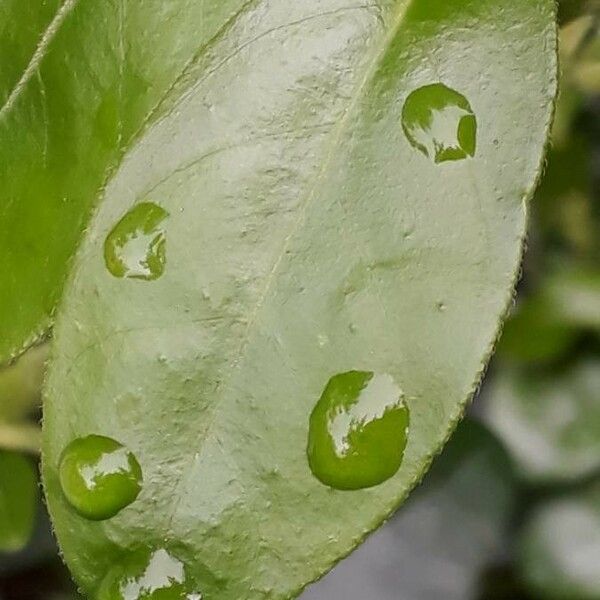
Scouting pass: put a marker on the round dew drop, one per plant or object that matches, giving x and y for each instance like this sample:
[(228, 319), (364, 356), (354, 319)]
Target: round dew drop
[(358, 431), (136, 246), (439, 122), (148, 574), (99, 477)]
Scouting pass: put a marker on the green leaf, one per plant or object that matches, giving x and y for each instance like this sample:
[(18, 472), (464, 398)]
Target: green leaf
[(574, 294), (534, 334), (560, 546), (571, 9), (456, 522), (18, 501), (305, 237), (548, 323), (82, 80), (549, 422), (33, 18)]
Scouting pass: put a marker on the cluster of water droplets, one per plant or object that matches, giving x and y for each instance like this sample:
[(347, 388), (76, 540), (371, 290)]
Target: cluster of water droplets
[(358, 430)]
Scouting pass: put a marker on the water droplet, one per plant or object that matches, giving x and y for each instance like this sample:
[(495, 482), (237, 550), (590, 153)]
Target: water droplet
[(148, 574), (99, 476), (440, 123), (136, 247), (358, 431), (323, 339)]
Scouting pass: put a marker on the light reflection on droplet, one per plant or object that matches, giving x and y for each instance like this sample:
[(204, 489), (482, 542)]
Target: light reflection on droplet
[(358, 431), (148, 574), (136, 246), (99, 476), (439, 122)]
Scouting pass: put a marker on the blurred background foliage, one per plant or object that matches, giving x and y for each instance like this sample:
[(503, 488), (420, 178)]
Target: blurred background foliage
[(511, 509)]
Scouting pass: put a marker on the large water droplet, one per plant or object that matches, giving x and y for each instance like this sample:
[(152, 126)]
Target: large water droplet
[(358, 431), (136, 246), (99, 476), (148, 574), (440, 122)]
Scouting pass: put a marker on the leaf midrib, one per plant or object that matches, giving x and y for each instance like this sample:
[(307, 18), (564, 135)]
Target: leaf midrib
[(38, 55), (336, 135)]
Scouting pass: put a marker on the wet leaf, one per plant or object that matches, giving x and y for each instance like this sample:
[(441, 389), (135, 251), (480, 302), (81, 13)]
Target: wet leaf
[(549, 422), (306, 239)]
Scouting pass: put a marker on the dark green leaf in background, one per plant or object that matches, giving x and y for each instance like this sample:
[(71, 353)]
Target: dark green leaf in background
[(548, 324), (18, 500), (573, 295), (307, 236), (533, 334), (550, 423), (571, 9)]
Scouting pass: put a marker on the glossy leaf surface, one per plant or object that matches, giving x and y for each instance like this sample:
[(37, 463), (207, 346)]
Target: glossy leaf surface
[(306, 236)]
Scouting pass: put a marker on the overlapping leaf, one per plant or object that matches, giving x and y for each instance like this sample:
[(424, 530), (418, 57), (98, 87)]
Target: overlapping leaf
[(78, 80)]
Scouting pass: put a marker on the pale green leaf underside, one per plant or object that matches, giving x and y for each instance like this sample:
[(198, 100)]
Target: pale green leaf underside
[(306, 237)]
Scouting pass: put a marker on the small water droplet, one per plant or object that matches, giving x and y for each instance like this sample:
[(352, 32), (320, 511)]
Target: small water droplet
[(439, 122), (136, 246), (358, 431), (148, 574), (99, 476), (323, 340)]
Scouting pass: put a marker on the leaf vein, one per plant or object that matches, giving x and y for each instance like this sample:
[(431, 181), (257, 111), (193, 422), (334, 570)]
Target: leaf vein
[(40, 52), (336, 134)]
